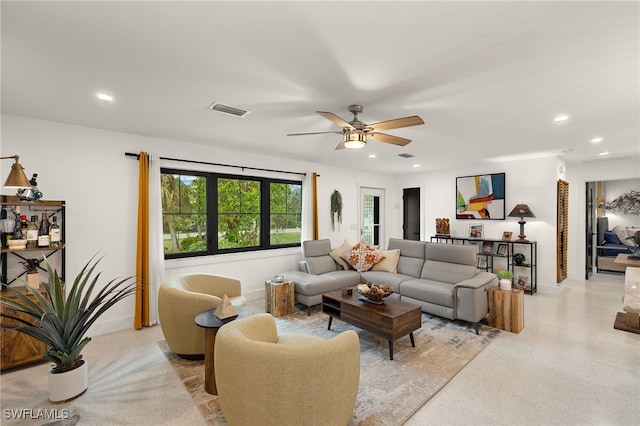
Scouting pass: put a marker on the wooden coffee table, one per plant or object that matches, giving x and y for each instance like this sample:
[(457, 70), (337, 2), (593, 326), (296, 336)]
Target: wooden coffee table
[(391, 320)]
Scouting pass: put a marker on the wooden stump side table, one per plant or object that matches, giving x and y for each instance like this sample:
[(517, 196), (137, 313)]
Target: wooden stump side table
[(279, 298), (211, 325), (506, 309)]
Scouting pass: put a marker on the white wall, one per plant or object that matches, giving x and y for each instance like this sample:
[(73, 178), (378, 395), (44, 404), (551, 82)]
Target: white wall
[(88, 169), (531, 182)]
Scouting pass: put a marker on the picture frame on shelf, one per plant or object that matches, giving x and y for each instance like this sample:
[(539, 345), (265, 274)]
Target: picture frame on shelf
[(506, 235), (502, 249), (476, 231), (487, 247), (482, 262), (522, 281)]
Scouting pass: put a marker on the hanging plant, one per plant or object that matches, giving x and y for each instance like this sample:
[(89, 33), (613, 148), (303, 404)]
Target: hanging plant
[(336, 209)]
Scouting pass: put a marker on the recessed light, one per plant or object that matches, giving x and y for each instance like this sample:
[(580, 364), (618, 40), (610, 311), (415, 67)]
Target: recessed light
[(104, 97), (372, 156), (597, 139), (562, 118), (416, 165), (602, 153)]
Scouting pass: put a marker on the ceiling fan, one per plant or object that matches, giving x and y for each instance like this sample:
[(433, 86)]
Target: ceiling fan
[(356, 133)]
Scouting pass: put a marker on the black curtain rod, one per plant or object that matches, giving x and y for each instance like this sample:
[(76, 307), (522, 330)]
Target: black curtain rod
[(132, 154)]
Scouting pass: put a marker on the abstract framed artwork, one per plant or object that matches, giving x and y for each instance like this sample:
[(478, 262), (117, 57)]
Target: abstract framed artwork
[(480, 197)]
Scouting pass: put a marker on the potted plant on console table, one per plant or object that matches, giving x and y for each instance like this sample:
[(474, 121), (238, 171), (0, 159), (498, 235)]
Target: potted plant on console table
[(62, 320)]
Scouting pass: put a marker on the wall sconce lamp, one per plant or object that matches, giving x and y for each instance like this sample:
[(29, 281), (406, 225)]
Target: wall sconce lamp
[(522, 211), (354, 139), (16, 179)]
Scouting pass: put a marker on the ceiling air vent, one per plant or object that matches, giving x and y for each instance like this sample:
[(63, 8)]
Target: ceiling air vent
[(405, 155), (228, 109)]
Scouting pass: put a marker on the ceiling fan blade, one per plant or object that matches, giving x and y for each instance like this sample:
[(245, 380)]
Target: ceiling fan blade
[(395, 140), (340, 145), (414, 120), (312, 133), (332, 117)]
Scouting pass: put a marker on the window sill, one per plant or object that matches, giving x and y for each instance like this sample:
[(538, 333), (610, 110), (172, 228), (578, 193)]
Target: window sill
[(230, 257)]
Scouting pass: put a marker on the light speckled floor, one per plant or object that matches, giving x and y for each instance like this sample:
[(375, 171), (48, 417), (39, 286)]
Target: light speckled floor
[(568, 366)]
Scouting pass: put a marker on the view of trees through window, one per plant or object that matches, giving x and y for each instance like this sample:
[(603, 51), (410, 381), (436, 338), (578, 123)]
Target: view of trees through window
[(240, 213)]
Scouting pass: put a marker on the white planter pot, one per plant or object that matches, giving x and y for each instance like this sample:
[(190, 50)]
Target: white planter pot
[(505, 284), (69, 385)]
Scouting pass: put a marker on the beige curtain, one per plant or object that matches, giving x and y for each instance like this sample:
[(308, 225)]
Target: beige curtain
[(141, 318)]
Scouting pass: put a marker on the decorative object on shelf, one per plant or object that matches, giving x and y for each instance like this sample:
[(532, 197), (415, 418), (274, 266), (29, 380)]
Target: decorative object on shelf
[(505, 279), (375, 292), (506, 235), (487, 247), (336, 209), (61, 321), (33, 277), (480, 197), (562, 230), (30, 194), (442, 226), (225, 309), (16, 179), (476, 232), (519, 259), (17, 244), (626, 203), (521, 211), (522, 282)]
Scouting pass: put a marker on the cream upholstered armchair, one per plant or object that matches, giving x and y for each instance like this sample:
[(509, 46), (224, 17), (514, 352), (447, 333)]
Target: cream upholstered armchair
[(266, 379), (181, 298)]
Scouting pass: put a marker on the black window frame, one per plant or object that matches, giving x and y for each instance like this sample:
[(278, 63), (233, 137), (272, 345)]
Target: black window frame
[(212, 212)]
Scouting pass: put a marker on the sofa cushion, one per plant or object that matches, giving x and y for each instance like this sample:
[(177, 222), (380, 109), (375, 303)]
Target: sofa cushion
[(610, 237), (382, 277), (321, 264), (389, 263), (435, 292), (311, 285), (407, 248), (337, 253), (362, 256)]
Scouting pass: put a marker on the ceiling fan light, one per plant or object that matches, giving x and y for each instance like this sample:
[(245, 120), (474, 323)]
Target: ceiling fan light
[(354, 140)]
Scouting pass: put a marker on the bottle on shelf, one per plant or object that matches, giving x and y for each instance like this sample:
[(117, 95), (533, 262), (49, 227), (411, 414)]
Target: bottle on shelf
[(43, 232), (32, 233), (55, 237)]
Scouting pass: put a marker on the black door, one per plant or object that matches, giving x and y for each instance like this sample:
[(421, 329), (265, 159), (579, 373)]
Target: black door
[(590, 212), (411, 215)]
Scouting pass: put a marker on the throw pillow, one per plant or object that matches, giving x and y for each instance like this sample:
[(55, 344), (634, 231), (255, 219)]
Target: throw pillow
[(621, 232), (389, 263), (362, 256), (337, 253)]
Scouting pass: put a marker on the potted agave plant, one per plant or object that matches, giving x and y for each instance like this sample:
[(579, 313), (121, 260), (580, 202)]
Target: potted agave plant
[(61, 321)]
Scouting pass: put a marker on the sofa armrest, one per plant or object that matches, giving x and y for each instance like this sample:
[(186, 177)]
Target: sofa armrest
[(478, 281)]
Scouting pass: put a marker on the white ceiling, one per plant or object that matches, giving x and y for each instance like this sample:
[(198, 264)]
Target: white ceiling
[(486, 77)]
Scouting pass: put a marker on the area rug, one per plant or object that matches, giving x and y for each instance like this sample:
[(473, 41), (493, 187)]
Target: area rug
[(390, 391)]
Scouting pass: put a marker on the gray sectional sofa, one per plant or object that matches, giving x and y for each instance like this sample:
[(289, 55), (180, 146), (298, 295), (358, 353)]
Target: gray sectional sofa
[(442, 279)]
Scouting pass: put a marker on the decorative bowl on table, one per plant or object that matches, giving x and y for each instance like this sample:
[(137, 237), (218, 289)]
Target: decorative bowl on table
[(374, 292)]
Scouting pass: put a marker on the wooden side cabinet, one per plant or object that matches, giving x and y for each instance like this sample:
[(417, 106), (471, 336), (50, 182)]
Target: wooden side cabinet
[(17, 348), (506, 309)]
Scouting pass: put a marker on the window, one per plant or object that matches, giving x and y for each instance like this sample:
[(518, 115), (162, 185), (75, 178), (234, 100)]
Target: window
[(209, 213)]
